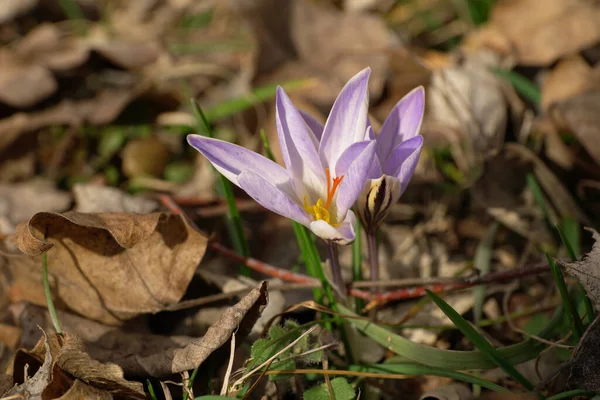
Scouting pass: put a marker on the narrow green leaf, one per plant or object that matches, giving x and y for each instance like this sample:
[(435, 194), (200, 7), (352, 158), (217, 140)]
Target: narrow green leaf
[(151, 390), (480, 342), (190, 383), (357, 263), (522, 85), (416, 370), (566, 298), (571, 393), (256, 96), (408, 351), (540, 199)]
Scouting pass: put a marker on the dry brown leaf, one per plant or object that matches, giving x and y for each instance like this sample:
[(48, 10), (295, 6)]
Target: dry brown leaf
[(568, 78), (10, 9), (587, 270), (144, 156), (91, 198), (35, 385), (140, 354), (580, 115), (80, 391), (581, 371), (20, 201), (109, 267), (23, 84), (354, 41), (468, 99), (543, 31)]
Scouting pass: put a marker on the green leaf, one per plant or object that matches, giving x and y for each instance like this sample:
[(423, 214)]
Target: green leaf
[(451, 359), (111, 141), (341, 389), (416, 370), (566, 298), (522, 85), (479, 341)]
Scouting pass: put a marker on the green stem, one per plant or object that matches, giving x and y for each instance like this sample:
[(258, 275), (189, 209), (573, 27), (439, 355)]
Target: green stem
[(373, 255), (48, 294), (357, 264), (336, 269)]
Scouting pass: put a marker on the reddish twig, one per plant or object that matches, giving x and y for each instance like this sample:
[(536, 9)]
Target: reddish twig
[(376, 299)]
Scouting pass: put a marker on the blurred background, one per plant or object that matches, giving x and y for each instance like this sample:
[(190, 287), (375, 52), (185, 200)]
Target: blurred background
[(95, 104)]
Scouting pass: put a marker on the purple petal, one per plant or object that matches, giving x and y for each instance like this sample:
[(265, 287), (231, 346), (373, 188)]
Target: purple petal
[(347, 122), (341, 234), (403, 160), (403, 123), (354, 164), (315, 126), (278, 198), (298, 144), (230, 160)]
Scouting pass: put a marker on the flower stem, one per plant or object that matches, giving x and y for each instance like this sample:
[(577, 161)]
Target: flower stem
[(48, 294), (373, 255), (336, 269)]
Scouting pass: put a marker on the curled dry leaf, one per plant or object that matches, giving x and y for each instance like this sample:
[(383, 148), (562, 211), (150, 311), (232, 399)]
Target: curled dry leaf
[(587, 270), (543, 31), (142, 354), (32, 387), (581, 371), (23, 84), (110, 266), (568, 78)]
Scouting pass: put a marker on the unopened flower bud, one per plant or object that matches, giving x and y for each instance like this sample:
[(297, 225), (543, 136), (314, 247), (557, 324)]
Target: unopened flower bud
[(376, 199)]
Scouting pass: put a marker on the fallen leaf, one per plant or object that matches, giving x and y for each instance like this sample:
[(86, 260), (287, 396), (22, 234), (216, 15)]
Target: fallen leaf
[(581, 371), (140, 354), (21, 201), (587, 270), (453, 391), (92, 198), (145, 156), (568, 78), (23, 84), (354, 40), (110, 266), (579, 115), (468, 99), (80, 390), (544, 31), (9, 9), (32, 387)]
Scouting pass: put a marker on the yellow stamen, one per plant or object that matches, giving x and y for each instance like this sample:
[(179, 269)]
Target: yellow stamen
[(320, 211)]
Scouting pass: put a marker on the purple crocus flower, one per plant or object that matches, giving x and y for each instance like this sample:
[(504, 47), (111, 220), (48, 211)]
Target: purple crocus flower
[(398, 149), (326, 168)]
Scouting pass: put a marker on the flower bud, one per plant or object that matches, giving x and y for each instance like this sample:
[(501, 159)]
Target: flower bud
[(376, 200)]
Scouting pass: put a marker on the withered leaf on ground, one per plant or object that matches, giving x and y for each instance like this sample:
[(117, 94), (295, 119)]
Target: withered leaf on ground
[(543, 31), (23, 84), (142, 354), (579, 114), (92, 198), (581, 371), (587, 270), (109, 266), (32, 387)]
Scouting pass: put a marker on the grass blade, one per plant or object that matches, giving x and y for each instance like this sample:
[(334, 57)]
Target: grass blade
[(48, 294), (568, 229), (480, 342), (522, 85), (566, 298), (415, 369), (408, 351), (233, 218)]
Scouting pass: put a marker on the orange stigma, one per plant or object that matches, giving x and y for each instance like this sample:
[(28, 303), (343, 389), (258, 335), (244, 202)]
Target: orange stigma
[(331, 188)]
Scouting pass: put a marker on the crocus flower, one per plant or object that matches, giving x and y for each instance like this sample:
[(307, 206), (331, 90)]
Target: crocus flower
[(326, 167), (398, 149)]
